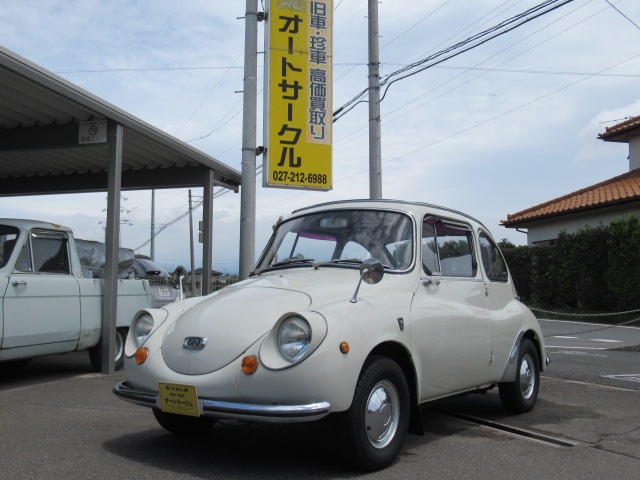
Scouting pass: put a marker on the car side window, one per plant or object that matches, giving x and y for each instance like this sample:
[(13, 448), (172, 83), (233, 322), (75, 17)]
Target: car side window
[(8, 241), (430, 261), (50, 252), (447, 248), (492, 260), (24, 259)]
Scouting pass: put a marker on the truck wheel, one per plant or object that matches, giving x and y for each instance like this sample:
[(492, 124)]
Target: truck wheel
[(183, 424), (95, 353), (377, 421)]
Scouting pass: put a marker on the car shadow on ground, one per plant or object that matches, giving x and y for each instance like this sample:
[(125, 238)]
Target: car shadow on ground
[(237, 450), (44, 369)]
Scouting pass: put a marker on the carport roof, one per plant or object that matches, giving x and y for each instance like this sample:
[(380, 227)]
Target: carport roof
[(40, 152)]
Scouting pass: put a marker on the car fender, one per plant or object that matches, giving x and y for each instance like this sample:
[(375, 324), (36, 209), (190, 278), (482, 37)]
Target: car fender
[(328, 374)]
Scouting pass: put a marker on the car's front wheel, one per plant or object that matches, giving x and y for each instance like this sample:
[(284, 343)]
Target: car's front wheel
[(520, 395), (376, 423), (183, 424)]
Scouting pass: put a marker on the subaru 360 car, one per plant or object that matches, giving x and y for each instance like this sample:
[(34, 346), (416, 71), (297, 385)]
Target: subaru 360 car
[(362, 310)]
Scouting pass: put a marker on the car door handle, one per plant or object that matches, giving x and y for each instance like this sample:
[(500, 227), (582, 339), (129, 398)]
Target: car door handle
[(430, 281), (17, 283)]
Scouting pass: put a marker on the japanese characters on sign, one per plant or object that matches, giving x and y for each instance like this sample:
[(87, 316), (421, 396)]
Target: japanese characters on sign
[(92, 132), (180, 399), (299, 116)]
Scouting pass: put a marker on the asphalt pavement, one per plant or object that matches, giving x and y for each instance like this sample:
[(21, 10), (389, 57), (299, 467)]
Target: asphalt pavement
[(60, 421)]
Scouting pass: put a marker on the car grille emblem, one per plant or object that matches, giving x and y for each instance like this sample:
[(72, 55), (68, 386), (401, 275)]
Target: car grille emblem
[(194, 343)]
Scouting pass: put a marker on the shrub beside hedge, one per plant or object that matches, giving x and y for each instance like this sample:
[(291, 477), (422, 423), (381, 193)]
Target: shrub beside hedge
[(596, 268)]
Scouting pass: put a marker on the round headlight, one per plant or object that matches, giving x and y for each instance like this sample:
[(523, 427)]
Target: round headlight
[(294, 338), (142, 328)]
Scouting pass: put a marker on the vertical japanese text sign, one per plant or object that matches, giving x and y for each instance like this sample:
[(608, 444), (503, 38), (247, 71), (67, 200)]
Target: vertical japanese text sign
[(298, 116)]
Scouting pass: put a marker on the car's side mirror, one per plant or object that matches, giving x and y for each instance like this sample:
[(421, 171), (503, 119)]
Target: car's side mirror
[(371, 272)]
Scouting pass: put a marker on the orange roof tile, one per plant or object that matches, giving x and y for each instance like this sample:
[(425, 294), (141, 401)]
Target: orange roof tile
[(620, 189), (621, 131)]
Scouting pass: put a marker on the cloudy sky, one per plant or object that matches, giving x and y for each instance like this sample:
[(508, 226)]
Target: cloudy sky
[(500, 128)]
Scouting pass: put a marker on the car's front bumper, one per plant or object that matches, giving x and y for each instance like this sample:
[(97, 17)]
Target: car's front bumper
[(232, 410)]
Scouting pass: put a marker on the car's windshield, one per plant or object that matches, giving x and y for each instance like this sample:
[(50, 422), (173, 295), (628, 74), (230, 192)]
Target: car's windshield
[(348, 235)]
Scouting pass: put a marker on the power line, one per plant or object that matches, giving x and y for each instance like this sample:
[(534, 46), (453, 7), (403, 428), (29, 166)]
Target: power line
[(152, 69), (495, 68), (543, 72), (461, 47), (620, 12), (513, 109)]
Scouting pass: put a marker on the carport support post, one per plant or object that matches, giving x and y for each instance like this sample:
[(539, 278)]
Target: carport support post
[(110, 294), (207, 240)]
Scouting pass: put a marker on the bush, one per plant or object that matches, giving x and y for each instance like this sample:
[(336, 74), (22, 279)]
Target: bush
[(623, 272), (597, 268), (519, 262)]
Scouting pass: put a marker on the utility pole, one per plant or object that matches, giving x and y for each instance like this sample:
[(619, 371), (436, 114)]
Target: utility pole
[(375, 163), (248, 188)]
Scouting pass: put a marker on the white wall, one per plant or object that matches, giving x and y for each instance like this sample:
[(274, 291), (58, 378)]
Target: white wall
[(634, 153), (550, 230)]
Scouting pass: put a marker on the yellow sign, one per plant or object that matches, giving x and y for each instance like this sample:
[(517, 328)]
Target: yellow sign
[(298, 112), (176, 398)]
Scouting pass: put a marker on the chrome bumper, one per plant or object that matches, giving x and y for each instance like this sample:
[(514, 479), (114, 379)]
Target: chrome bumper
[(233, 410)]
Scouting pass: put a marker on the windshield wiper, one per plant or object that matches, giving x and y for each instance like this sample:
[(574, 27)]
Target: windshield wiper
[(356, 261), (282, 263)]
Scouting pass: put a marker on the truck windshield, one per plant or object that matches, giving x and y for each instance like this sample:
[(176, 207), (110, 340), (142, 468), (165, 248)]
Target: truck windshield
[(341, 238)]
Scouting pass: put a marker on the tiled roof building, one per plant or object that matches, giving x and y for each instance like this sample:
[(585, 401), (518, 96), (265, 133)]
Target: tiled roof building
[(594, 205)]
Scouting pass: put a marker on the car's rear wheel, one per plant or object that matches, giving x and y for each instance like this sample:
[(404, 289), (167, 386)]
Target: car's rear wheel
[(183, 424), (376, 423), (520, 395), (95, 353)]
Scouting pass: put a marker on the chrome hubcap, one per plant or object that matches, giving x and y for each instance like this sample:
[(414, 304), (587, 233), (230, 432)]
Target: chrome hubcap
[(382, 415), (527, 377), (119, 346)]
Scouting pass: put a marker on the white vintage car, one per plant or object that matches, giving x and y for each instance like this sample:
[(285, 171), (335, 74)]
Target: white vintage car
[(365, 310)]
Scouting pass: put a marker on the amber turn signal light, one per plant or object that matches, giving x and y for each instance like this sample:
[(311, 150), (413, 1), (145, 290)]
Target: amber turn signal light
[(250, 364), (344, 347), (141, 355)]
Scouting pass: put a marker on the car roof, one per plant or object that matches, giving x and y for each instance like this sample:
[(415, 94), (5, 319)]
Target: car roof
[(385, 203)]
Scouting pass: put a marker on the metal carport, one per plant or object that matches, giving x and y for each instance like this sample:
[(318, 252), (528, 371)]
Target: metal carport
[(58, 138)]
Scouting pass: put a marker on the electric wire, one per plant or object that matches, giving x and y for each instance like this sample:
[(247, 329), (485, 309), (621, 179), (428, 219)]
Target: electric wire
[(620, 12), (416, 106), (461, 47)]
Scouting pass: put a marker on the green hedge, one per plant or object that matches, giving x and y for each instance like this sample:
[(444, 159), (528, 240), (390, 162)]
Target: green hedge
[(596, 268)]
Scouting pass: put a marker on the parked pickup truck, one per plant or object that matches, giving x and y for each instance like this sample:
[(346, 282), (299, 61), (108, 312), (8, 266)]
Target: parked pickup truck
[(48, 306)]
